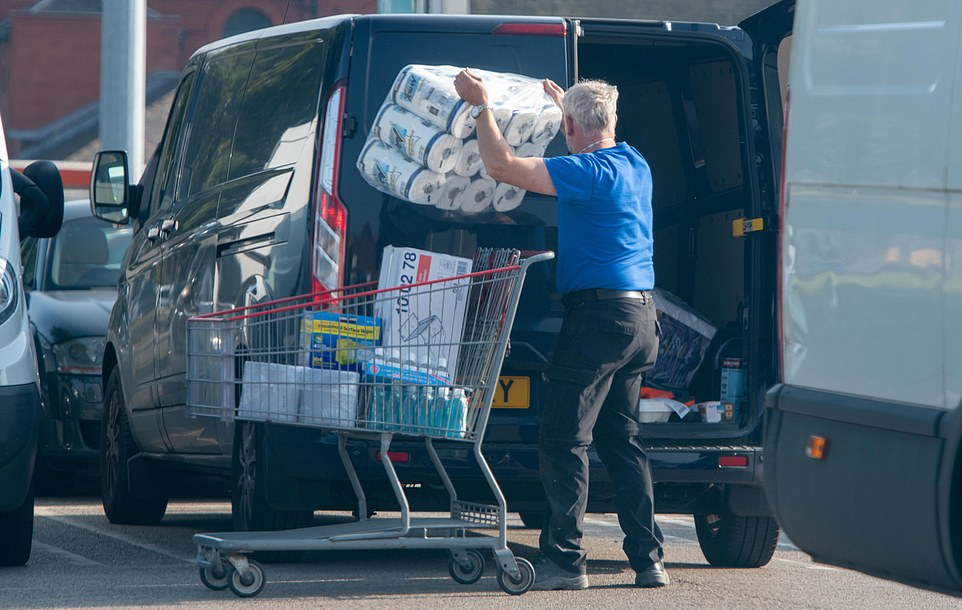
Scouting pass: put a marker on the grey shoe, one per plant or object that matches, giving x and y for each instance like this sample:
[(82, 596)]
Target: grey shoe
[(652, 576), (549, 576)]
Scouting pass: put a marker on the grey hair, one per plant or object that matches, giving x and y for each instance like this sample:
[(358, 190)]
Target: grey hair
[(592, 104)]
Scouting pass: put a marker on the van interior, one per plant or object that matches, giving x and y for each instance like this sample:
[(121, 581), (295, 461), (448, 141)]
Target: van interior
[(679, 105)]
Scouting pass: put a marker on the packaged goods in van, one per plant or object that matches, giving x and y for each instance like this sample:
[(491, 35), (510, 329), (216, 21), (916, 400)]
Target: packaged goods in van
[(418, 139), (425, 323), (685, 336), (732, 387), (333, 340), (387, 169)]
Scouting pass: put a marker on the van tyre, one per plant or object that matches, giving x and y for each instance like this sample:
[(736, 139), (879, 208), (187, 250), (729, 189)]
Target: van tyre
[(117, 447), (16, 533), (732, 541), (250, 510)]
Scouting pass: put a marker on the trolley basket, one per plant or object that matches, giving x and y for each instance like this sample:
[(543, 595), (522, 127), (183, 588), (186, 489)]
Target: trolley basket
[(420, 359)]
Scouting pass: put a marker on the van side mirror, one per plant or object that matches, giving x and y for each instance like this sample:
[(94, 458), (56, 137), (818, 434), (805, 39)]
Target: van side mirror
[(110, 187), (40, 188)]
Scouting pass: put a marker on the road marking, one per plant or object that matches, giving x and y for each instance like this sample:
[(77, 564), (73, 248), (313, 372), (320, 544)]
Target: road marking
[(66, 555), (125, 539)]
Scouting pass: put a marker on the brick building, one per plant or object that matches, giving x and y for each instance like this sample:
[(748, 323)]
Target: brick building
[(50, 58)]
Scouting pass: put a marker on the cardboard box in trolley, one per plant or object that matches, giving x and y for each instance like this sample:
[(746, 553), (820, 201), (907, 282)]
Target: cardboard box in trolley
[(424, 323)]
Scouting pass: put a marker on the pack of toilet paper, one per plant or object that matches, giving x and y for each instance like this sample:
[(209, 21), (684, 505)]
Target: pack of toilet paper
[(422, 146)]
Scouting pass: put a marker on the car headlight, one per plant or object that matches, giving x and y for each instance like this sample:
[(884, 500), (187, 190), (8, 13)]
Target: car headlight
[(9, 293), (83, 356)]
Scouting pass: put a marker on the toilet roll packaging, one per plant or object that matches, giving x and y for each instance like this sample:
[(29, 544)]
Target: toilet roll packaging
[(422, 146)]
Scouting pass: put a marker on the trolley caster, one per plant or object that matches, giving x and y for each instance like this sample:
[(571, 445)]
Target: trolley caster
[(216, 577), (522, 582), (467, 568), (246, 582)]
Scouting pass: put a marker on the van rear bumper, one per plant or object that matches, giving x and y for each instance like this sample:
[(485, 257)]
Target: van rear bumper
[(19, 426), (515, 466)]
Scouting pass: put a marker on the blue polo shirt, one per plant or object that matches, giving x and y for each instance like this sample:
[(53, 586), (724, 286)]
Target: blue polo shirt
[(604, 220)]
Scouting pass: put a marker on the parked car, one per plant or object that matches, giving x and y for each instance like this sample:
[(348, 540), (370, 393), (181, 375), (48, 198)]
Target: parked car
[(38, 213), (254, 193), (71, 284)]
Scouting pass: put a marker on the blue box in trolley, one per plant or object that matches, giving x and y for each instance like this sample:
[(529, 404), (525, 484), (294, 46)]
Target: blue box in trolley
[(421, 399), (337, 340)]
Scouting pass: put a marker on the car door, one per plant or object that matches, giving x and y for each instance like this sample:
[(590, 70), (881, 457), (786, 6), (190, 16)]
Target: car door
[(189, 225)]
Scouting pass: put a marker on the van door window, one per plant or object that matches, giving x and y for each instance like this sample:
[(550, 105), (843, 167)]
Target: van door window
[(207, 151), (163, 186), (279, 109)]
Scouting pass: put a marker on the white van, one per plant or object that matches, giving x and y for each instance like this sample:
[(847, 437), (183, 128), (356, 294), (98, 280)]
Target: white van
[(39, 213), (862, 461)]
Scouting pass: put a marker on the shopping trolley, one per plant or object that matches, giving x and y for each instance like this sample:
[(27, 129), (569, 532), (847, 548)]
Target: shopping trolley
[(417, 360)]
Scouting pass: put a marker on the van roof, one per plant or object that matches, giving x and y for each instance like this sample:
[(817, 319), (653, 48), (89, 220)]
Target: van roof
[(323, 23)]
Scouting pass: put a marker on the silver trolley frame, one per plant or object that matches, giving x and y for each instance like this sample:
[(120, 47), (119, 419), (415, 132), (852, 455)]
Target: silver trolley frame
[(421, 359)]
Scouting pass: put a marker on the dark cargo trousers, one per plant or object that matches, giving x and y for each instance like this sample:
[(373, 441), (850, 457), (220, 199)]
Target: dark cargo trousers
[(593, 387)]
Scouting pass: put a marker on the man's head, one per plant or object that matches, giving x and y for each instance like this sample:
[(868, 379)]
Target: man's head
[(592, 105)]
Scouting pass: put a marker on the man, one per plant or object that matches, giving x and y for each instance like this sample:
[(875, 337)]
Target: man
[(609, 335)]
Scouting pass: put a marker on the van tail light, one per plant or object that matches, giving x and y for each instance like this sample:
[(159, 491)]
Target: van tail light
[(330, 215), (779, 314)]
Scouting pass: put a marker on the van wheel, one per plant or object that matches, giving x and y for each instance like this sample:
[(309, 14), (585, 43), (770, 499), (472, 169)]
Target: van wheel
[(116, 448), (250, 510), (16, 533), (731, 541)]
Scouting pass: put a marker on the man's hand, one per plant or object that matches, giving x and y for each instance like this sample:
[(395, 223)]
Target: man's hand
[(555, 92), (471, 88)]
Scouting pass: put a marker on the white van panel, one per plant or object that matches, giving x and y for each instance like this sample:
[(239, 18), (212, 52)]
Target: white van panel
[(876, 117), (863, 274), (953, 296)]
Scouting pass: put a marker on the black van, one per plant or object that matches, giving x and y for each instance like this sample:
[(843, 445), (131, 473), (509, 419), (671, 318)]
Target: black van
[(254, 194)]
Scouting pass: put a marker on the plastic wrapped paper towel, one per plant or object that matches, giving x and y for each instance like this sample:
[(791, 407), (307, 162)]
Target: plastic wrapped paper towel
[(430, 94), (392, 172), (422, 146), (418, 139)]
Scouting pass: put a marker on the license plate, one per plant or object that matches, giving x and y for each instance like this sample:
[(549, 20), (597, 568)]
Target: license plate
[(512, 393)]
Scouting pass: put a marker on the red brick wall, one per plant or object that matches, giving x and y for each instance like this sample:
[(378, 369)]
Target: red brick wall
[(50, 65), (55, 63)]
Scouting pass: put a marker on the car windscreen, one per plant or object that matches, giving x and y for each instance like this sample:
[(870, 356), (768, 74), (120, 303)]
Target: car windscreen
[(87, 253)]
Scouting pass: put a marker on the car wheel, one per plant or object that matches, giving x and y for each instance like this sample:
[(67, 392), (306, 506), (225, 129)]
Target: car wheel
[(117, 447), (732, 541), (250, 509), (16, 533)]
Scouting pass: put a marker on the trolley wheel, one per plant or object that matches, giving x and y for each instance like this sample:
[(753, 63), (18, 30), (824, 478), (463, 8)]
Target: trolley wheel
[(519, 585), (216, 577), (249, 584), (468, 571)]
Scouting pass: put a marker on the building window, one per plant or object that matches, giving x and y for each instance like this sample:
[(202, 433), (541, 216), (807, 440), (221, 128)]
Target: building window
[(245, 20)]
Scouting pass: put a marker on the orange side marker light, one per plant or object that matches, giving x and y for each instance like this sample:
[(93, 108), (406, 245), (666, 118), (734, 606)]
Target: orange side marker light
[(816, 447)]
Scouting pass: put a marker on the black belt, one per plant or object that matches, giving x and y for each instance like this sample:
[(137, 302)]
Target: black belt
[(602, 294)]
